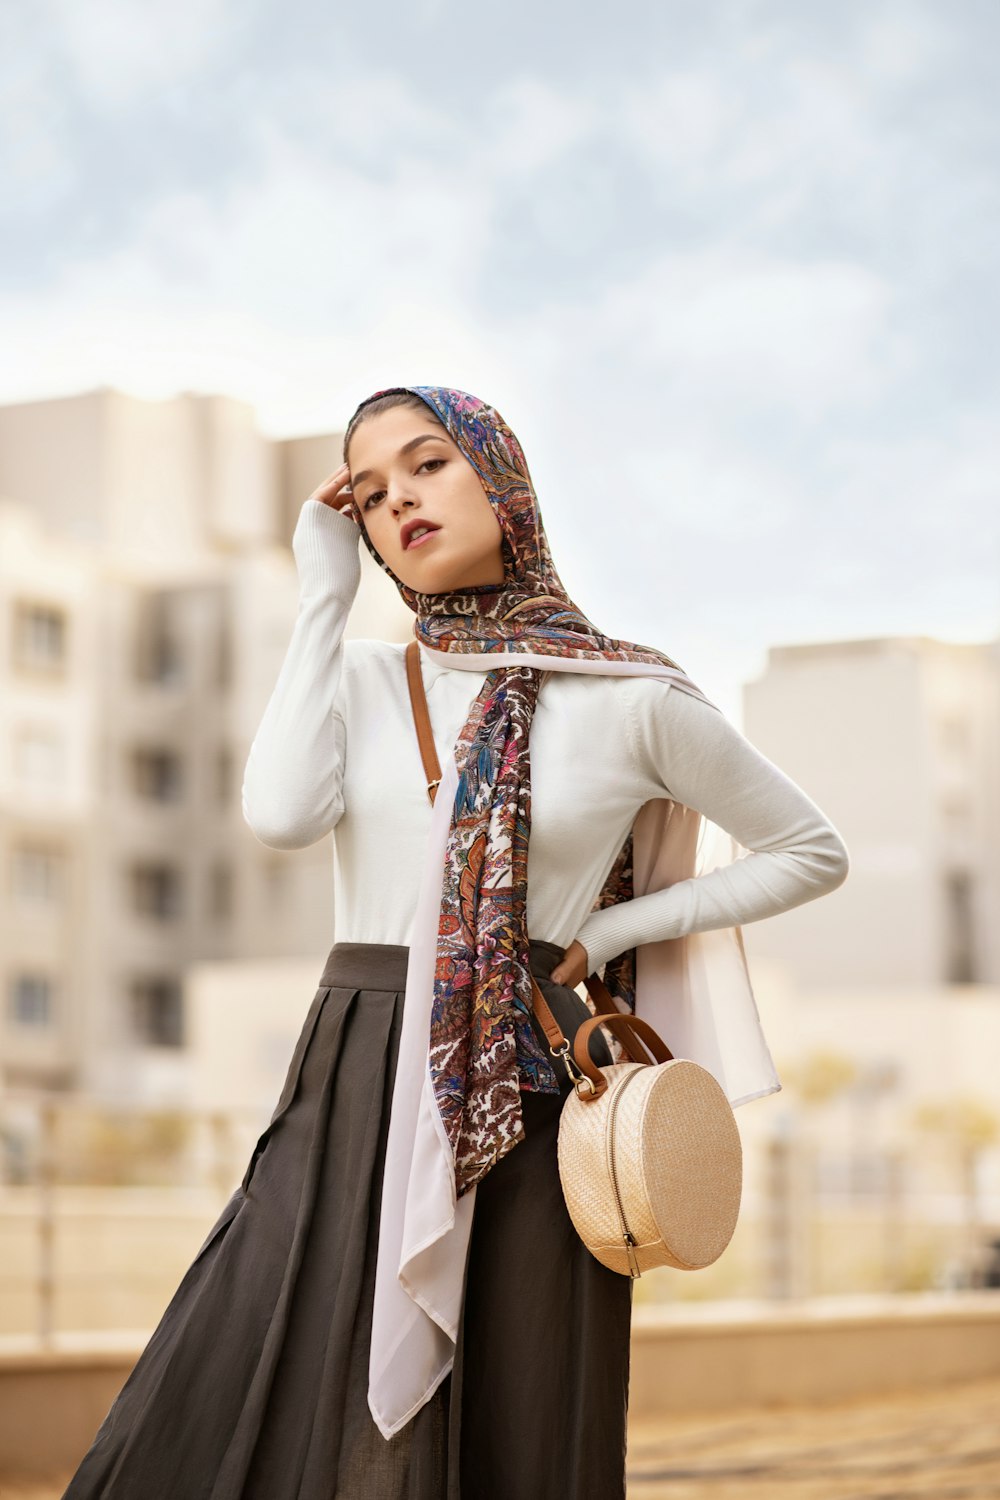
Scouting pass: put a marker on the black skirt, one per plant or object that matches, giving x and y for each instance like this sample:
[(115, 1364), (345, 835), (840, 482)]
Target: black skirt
[(254, 1384)]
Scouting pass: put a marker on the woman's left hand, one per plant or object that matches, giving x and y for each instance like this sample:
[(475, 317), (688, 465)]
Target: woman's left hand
[(573, 967)]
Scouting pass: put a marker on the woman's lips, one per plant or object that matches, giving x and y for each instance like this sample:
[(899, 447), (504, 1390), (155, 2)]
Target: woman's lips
[(425, 536)]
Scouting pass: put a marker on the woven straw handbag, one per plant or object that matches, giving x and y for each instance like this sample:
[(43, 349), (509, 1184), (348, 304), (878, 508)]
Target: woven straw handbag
[(650, 1157)]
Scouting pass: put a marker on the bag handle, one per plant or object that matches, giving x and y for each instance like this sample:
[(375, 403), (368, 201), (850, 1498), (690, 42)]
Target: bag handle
[(558, 1044)]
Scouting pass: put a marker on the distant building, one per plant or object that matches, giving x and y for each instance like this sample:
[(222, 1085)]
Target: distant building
[(898, 740), (147, 595)]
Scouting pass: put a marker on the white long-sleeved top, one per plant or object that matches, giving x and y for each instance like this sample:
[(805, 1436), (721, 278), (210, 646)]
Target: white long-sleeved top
[(336, 749)]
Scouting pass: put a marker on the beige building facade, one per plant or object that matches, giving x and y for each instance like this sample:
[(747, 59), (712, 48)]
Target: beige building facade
[(898, 740), (147, 595)]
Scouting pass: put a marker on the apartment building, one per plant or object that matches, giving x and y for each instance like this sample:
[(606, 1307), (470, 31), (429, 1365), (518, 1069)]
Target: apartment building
[(898, 740), (147, 595)]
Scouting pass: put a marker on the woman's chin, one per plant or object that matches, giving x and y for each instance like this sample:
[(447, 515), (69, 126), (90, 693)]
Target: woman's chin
[(436, 578), (443, 575), (425, 580)]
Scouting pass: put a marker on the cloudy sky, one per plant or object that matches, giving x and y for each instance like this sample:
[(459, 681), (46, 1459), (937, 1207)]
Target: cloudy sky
[(729, 270)]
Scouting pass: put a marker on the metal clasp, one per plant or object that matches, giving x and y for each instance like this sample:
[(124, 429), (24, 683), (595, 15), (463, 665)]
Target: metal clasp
[(572, 1068), (563, 1052)]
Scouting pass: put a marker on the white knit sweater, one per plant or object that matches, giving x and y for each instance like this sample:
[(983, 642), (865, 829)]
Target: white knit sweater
[(336, 750)]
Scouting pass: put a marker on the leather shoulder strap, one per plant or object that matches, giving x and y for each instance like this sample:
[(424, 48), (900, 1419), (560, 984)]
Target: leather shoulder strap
[(422, 718)]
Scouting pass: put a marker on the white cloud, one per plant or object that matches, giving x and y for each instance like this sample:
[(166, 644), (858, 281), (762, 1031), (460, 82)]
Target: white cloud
[(532, 124), (681, 120), (284, 290), (744, 327), (34, 119), (311, 241), (717, 383), (900, 42), (119, 50)]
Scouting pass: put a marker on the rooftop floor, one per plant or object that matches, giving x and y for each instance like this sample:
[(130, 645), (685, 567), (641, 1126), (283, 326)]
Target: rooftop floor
[(938, 1444), (941, 1444)]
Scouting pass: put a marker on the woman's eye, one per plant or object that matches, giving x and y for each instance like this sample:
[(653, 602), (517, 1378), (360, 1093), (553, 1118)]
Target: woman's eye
[(376, 493)]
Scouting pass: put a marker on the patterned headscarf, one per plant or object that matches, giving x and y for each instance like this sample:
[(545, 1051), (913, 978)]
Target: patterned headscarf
[(483, 1049)]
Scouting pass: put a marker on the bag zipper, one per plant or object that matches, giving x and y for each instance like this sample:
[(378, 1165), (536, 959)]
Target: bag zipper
[(627, 1235)]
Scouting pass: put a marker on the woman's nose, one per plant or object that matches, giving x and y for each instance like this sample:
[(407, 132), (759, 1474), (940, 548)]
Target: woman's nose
[(399, 494)]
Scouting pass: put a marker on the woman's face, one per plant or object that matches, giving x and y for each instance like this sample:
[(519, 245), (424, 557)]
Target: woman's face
[(406, 469)]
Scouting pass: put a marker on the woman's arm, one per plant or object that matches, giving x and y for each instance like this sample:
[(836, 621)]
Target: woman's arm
[(693, 752), (292, 784)]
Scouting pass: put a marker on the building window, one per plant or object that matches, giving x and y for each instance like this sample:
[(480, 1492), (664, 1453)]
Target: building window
[(223, 774), (156, 890), (276, 874), (220, 880), (37, 875), (39, 757), (157, 774), (157, 1010), (39, 636), (224, 655), (158, 657), (31, 1000), (960, 962)]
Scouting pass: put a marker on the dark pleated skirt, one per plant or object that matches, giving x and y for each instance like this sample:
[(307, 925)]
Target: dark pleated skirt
[(254, 1384)]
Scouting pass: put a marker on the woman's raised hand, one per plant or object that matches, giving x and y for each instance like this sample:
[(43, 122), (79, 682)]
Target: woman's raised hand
[(335, 491)]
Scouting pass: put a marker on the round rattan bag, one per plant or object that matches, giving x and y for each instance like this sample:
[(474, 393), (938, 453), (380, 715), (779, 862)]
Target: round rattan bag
[(650, 1156)]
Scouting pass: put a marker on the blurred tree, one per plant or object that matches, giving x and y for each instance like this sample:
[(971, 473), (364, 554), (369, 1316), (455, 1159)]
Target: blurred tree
[(121, 1148), (821, 1075)]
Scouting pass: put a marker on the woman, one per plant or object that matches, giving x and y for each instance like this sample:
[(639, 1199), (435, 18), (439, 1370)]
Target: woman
[(394, 1302)]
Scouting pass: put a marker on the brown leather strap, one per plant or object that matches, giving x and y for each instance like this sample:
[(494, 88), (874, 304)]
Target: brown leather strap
[(604, 1005), (422, 718), (603, 1002), (610, 1019), (629, 1026)]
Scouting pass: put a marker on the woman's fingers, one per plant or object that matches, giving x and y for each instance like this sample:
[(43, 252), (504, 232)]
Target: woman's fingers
[(572, 968), (332, 487), (335, 491)]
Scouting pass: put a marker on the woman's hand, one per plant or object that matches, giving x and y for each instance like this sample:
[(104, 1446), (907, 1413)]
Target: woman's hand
[(573, 967), (335, 491)]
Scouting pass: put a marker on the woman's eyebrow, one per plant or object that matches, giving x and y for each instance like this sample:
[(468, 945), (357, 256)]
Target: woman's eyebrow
[(413, 443)]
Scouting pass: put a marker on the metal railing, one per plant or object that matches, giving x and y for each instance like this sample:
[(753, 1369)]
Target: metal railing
[(66, 1162), (54, 1148)]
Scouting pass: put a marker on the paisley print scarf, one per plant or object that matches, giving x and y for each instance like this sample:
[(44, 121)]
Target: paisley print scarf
[(482, 1048)]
